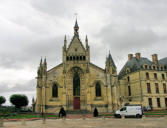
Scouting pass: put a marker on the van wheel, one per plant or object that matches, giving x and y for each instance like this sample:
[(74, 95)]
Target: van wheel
[(119, 116), (138, 116)]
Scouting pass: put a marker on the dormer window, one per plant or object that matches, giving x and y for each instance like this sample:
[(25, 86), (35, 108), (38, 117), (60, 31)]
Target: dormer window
[(127, 70), (154, 67), (146, 66), (84, 58), (161, 67)]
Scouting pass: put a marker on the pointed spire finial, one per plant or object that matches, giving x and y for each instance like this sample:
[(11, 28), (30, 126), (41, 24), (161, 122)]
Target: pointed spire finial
[(41, 61), (76, 28), (45, 63), (65, 42), (76, 24), (86, 39)]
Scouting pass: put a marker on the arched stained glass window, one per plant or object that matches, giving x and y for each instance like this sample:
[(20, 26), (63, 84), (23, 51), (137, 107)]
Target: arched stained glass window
[(76, 85), (98, 89), (55, 90)]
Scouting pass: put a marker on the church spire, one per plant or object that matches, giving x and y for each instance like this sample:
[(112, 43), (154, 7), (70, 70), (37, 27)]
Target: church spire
[(41, 62), (76, 28), (86, 40), (65, 42)]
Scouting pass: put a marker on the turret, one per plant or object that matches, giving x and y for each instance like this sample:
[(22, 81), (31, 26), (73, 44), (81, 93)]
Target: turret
[(86, 41), (110, 65), (65, 42), (40, 68), (45, 67), (87, 49)]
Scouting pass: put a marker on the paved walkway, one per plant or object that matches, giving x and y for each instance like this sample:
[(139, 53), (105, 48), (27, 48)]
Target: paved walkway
[(91, 123)]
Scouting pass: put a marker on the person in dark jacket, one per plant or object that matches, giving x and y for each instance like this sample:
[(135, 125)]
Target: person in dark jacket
[(62, 112), (95, 113)]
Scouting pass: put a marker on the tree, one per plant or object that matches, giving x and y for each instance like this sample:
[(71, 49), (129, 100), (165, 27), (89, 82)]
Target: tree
[(19, 100), (2, 100)]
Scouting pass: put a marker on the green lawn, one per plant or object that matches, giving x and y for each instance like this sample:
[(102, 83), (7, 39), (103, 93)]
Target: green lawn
[(27, 116), (162, 111)]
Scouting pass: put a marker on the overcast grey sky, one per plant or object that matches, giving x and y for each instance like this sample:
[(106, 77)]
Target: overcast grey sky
[(30, 29)]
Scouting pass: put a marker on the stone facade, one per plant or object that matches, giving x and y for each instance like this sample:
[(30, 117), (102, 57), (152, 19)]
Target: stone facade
[(77, 84), (142, 81)]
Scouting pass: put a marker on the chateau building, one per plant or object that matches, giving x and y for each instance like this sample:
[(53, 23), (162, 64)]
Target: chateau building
[(78, 84), (142, 81)]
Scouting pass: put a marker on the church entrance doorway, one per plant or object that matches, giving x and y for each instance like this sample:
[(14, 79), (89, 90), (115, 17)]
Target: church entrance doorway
[(76, 103), (76, 91)]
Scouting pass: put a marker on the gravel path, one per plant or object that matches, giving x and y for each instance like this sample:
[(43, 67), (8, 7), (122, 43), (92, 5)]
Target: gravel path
[(91, 123)]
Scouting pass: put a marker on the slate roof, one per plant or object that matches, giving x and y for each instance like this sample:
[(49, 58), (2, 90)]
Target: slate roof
[(163, 61), (134, 65)]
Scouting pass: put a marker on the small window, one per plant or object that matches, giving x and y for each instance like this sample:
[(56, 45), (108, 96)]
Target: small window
[(76, 49), (155, 75), (129, 91), (148, 88), (166, 102), (156, 88), (164, 87), (147, 75), (154, 67), (70, 57), (67, 58), (73, 57), (163, 76), (77, 58), (165, 67), (80, 57), (158, 102), (127, 70), (150, 102), (146, 66), (161, 68), (84, 58)]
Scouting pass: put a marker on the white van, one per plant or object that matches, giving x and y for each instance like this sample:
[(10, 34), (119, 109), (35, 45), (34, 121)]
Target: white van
[(130, 111)]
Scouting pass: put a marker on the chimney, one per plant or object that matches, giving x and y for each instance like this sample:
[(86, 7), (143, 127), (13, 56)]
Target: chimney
[(155, 58), (138, 56), (130, 56)]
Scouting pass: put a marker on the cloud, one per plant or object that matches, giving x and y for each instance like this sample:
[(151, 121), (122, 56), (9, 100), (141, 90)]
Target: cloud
[(34, 28), (28, 86)]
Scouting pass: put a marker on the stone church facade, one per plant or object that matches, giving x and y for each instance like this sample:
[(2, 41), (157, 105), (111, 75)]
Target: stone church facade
[(77, 84)]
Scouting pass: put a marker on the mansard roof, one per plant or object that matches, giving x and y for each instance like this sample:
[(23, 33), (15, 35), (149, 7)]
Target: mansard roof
[(134, 64), (163, 61)]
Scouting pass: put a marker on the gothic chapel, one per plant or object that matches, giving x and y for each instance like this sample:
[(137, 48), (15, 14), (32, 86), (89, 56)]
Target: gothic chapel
[(76, 83)]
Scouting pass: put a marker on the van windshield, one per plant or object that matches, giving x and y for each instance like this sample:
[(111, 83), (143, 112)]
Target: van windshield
[(123, 109)]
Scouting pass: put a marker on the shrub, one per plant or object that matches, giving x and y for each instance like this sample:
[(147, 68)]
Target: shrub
[(19, 100)]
